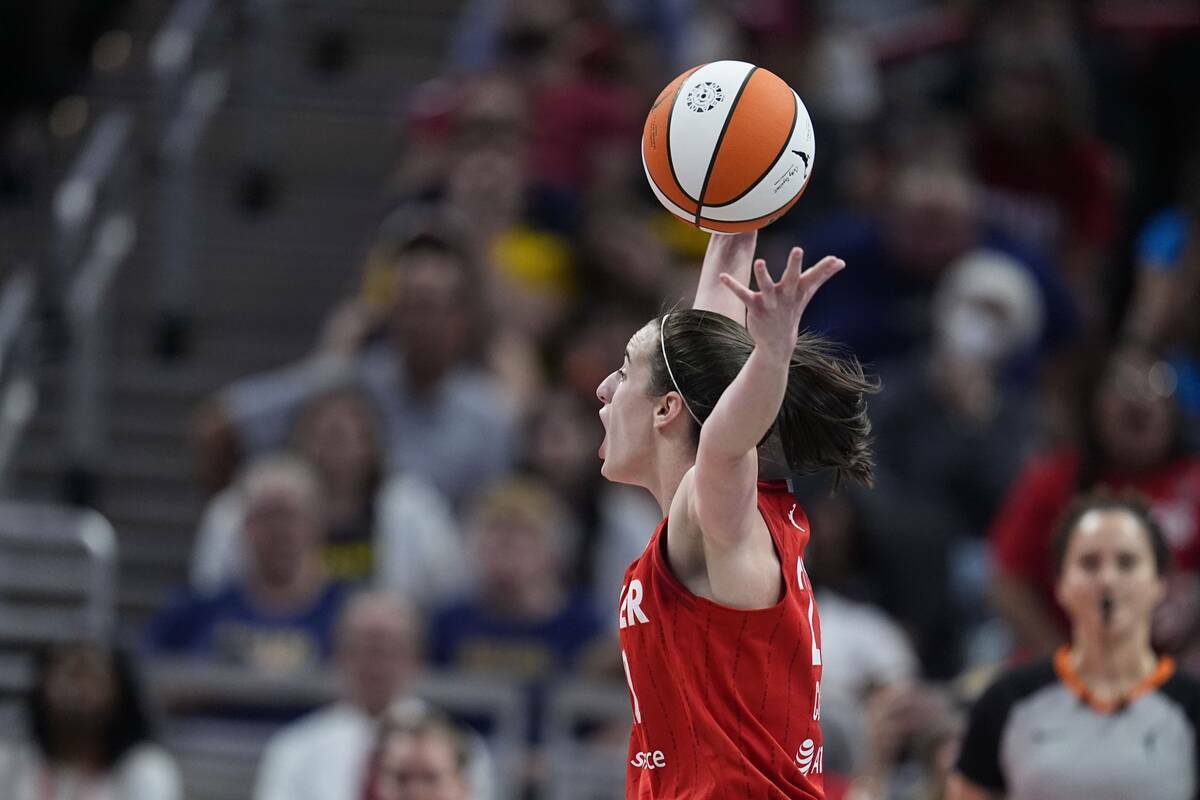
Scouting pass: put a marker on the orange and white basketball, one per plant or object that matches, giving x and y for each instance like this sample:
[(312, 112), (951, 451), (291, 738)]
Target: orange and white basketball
[(728, 147)]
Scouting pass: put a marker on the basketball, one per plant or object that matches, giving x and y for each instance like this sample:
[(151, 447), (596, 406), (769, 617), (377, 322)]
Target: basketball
[(728, 147)]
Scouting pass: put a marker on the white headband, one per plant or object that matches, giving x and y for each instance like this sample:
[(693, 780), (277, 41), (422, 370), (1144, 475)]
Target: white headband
[(662, 340)]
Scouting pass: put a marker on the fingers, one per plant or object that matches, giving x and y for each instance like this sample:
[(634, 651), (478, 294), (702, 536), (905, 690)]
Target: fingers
[(744, 294), (766, 286), (823, 270), (791, 275)]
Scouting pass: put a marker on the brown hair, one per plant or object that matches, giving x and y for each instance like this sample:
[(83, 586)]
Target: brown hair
[(822, 422), (1131, 503)]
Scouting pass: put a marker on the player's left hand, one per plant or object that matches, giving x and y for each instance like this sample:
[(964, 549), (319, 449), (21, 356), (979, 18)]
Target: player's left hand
[(773, 312)]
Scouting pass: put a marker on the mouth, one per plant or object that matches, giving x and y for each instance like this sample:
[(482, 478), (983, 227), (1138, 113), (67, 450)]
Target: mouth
[(603, 443)]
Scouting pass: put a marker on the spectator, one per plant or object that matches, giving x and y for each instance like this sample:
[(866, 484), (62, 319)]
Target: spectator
[(324, 755), (931, 219), (419, 756), (279, 616), (863, 649), (1049, 181), (444, 419), (524, 621), (90, 733), (561, 445), (952, 430), (1133, 439), (394, 530), (1107, 717), (913, 733), (1167, 284)]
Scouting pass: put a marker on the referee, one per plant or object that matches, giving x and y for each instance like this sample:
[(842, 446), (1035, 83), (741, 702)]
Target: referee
[(1106, 718)]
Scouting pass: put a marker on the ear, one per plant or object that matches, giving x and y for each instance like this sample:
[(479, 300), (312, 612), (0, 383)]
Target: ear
[(667, 409)]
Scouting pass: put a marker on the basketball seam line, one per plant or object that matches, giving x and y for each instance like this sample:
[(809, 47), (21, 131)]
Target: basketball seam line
[(779, 211), (787, 141), (720, 138), (667, 136)]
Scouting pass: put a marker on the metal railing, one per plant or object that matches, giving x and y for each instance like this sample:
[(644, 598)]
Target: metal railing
[(57, 574), (190, 86), (94, 232), (18, 388)]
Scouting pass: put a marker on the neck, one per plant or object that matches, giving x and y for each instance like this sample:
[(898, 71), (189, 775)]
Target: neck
[(1110, 661), (671, 466), (345, 497), (289, 595)]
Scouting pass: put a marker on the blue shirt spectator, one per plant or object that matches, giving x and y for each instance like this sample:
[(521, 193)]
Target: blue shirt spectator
[(279, 616)]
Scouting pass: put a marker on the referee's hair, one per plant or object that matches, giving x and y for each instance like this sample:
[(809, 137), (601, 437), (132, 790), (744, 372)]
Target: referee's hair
[(1133, 503)]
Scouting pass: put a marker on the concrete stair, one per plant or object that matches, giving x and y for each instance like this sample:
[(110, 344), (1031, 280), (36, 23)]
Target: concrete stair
[(262, 283)]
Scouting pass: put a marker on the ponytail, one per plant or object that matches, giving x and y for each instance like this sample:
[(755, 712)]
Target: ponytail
[(822, 422)]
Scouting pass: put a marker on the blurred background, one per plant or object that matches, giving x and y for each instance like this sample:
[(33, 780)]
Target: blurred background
[(303, 305)]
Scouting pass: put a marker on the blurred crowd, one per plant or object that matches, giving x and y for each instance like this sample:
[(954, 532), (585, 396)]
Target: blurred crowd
[(1015, 188)]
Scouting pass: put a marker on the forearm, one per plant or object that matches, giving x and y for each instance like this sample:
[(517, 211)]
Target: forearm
[(748, 407), (731, 255)]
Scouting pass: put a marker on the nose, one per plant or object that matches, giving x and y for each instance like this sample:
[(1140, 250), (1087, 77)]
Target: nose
[(602, 393)]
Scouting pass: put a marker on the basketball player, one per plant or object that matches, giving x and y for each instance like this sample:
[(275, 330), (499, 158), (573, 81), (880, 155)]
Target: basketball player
[(720, 636)]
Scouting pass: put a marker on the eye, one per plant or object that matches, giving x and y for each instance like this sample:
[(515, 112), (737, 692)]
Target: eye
[(1089, 562), (621, 373), (1127, 562)]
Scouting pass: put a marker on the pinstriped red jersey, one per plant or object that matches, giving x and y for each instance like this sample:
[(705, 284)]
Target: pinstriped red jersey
[(726, 702)]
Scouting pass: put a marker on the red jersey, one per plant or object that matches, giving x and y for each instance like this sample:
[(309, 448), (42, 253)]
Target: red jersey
[(726, 702)]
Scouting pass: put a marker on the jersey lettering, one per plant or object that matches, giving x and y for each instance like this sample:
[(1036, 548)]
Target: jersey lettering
[(802, 577), (637, 709), (817, 703), (631, 605)]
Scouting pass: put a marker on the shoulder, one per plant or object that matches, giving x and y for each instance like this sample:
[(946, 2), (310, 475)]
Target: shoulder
[(979, 757), (192, 604), (312, 732), (1014, 685), (1184, 690), (148, 770)]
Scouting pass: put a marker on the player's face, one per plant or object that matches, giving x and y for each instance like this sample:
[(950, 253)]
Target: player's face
[(628, 412), (1110, 554)]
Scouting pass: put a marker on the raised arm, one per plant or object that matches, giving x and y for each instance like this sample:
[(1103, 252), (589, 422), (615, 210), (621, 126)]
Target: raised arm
[(723, 483), (727, 254)]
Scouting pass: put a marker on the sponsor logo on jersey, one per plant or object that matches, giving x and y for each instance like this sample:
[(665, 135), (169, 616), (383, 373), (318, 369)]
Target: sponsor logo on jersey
[(649, 759), (792, 519), (810, 757)]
